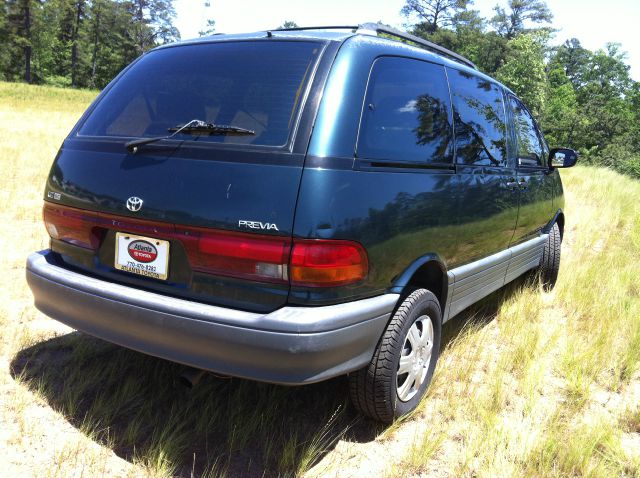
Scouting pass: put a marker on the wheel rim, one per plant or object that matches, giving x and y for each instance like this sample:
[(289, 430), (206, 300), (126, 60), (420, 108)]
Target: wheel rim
[(415, 358)]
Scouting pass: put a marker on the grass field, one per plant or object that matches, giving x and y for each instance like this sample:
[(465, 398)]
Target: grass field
[(529, 383)]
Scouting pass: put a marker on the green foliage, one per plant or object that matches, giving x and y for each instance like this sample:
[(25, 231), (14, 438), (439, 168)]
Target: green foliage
[(582, 99), (5, 52), (209, 29), (607, 110), (435, 14), (486, 49), (58, 81), (511, 22), (593, 106), (289, 24), (84, 42), (561, 108), (524, 69)]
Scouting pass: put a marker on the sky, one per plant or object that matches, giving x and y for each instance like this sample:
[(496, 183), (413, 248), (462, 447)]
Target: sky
[(593, 22)]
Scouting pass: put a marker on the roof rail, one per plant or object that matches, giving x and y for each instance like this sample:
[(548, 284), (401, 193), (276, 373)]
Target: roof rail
[(323, 27), (377, 28), (420, 42)]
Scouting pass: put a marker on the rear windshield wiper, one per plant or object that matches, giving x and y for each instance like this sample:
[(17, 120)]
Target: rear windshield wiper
[(193, 127), (209, 129)]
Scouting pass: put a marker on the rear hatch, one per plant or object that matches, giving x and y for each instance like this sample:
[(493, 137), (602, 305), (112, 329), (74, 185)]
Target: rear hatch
[(185, 215)]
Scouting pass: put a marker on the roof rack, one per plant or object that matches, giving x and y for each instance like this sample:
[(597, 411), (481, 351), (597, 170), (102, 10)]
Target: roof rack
[(377, 28)]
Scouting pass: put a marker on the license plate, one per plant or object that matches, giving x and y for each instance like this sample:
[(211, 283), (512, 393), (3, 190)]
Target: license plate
[(145, 256)]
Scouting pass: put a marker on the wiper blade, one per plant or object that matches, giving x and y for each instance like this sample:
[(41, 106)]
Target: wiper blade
[(194, 127), (209, 129), (132, 146)]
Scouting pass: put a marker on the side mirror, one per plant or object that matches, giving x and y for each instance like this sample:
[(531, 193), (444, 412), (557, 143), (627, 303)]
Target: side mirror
[(562, 157)]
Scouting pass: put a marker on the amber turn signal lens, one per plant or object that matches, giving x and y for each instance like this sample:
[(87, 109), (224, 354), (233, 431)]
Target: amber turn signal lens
[(327, 263)]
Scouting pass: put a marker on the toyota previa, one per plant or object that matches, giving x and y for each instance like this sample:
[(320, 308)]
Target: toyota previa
[(293, 205)]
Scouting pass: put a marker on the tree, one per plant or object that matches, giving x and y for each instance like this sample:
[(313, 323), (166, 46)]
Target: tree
[(5, 40), (209, 29), (108, 41), (152, 23), (524, 70), (19, 16), (63, 19), (605, 104), (26, 15), (574, 60), (512, 22), (435, 14), (78, 17), (288, 24), (104, 31), (560, 114), (487, 50), (79, 42)]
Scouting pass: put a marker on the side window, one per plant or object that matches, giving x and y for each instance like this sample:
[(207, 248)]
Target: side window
[(406, 115), (479, 119), (531, 147)]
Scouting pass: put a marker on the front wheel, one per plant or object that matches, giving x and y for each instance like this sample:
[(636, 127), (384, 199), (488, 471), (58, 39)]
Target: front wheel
[(400, 371)]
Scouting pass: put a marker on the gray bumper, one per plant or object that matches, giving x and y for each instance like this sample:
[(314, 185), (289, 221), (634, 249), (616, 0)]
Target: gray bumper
[(292, 345)]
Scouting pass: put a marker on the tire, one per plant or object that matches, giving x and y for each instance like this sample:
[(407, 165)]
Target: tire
[(380, 390), (550, 261)]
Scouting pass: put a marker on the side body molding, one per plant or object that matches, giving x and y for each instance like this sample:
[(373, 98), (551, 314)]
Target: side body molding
[(469, 283)]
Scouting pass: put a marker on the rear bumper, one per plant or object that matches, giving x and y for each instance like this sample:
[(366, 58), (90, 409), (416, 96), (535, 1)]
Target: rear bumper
[(292, 345)]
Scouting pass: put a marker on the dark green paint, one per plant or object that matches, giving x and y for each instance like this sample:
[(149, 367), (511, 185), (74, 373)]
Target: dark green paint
[(456, 214)]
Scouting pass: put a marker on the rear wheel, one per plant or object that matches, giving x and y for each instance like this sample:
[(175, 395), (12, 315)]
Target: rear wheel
[(399, 373), (550, 261)]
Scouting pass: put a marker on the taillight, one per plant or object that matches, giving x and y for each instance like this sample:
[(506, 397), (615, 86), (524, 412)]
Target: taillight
[(305, 262), (327, 263), (75, 226), (241, 255)]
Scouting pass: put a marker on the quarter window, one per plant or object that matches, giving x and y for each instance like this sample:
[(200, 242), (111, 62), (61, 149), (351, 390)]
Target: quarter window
[(479, 120), (406, 115), (531, 147)]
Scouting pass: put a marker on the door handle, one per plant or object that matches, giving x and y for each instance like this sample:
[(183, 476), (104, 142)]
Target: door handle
[(511, 183)]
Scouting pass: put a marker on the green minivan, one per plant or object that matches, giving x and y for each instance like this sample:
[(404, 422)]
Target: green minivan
[(292, 205)]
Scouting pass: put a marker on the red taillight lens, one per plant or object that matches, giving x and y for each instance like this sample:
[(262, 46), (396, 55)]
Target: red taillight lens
[(320, 263), (236, 254), (309, 263), (75, 226)]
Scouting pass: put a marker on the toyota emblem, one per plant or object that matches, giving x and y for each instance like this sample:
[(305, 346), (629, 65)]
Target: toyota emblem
[(134, 204)]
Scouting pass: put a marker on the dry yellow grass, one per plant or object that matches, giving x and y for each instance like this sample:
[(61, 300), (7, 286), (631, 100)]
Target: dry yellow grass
[(529, 384)]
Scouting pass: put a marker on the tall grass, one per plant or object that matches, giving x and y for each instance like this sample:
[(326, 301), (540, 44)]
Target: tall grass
[(529, 383), (553, 373)]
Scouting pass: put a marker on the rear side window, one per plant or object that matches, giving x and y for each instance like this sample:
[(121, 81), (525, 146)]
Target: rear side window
[(250, 84), (479, 119), (406, 115), (531, 147)]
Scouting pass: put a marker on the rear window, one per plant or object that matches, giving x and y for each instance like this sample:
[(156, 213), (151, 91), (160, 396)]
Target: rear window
[(257, 85)]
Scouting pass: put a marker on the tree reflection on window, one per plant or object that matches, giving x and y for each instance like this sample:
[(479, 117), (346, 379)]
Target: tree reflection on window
[(530, 149), (434, 127), (479, 121), (407, 113)]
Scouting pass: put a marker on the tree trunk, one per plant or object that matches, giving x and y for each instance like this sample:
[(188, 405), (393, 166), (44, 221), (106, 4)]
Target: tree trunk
[(433, 26), (27, 47), (74, 44), (96, 38), (140, 15)]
